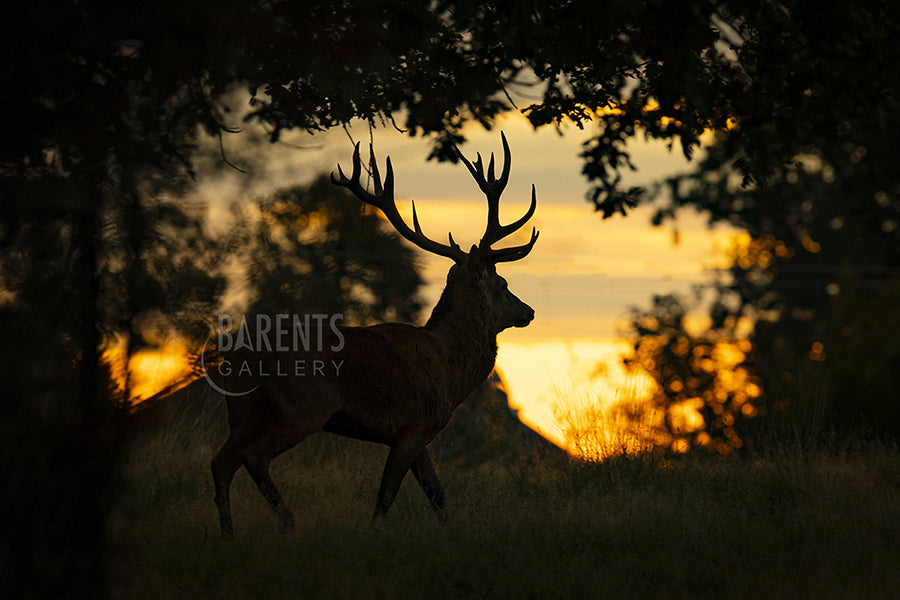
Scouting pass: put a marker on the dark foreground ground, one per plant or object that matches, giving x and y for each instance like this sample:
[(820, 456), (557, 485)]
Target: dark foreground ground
[(821, 523)]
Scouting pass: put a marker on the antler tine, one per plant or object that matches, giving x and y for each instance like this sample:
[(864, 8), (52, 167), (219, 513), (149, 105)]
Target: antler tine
[(383, 198), (507, 160), (515, 252), (352, 183), (490, 185), (493, 187), (505, 230), (469, 165), (388, 180)]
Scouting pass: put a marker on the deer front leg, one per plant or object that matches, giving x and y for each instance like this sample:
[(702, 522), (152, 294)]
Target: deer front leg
[(424, 473), (224, 466), (401, 457)]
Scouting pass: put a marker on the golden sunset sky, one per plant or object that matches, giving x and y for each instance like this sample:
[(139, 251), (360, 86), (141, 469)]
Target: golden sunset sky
[(582, 276)]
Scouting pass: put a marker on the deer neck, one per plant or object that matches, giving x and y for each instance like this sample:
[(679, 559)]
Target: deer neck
[(462, 324)]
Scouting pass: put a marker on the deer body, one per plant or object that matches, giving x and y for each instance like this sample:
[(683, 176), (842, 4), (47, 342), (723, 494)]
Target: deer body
[(397, 384)]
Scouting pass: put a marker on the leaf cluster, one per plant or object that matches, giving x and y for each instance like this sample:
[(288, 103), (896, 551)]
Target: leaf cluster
[(95, 80)]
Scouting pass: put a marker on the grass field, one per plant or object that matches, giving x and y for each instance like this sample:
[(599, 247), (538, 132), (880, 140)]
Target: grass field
[(792, 524)]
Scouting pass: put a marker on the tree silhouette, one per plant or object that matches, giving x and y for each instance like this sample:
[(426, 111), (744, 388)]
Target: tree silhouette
[(776, 75), (315, 249), (151, 268), (819, 267), (816, 274)]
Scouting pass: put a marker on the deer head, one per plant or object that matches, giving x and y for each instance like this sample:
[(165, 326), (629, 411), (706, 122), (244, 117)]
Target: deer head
[(474, 272)]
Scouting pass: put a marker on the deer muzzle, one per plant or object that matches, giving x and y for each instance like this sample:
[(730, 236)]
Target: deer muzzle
[(526, 317)]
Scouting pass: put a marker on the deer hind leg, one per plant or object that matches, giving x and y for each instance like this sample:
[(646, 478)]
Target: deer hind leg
[(224, 466), (424, 473), (254, 453), (258, 467), (260, 436), (401, 457)]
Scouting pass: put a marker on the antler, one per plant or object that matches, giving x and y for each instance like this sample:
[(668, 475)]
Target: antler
[(493, 188), (383, 198)]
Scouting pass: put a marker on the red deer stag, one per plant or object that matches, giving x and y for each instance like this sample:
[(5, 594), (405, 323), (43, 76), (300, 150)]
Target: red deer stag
[(398, 384)]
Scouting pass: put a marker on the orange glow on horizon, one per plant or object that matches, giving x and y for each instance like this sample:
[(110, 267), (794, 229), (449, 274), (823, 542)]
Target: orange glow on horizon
[(603, 411), (150, 371)]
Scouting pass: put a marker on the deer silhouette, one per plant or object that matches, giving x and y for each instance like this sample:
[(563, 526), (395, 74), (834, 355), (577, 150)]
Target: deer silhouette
[(397, 384)]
